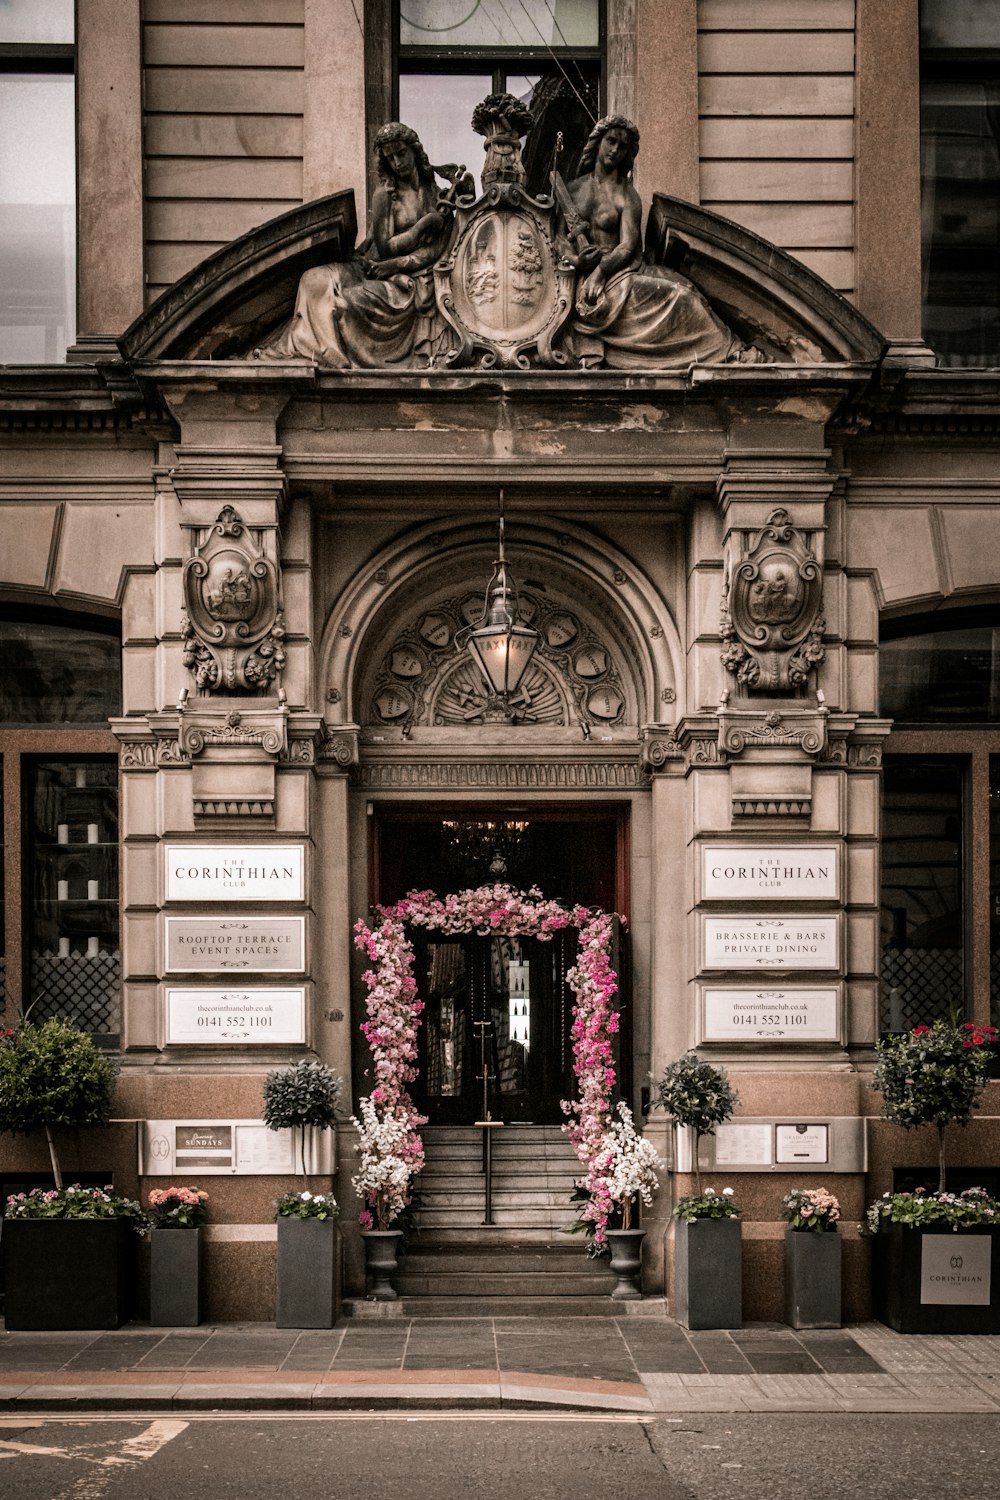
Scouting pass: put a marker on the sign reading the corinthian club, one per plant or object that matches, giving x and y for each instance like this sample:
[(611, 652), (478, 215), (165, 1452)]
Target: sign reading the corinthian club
[(771, 943), (203, 945), (752, 1015), (244, 872), (955, 1268), (236, 1015), (769, 872)]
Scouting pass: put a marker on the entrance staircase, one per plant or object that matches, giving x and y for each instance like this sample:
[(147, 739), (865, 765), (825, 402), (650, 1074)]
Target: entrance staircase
[(456, 1265)]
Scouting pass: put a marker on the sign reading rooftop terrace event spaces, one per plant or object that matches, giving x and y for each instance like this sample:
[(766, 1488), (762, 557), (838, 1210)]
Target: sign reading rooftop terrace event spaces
[(751, 1015), (806, 942), (244, 872), (205, 945), (769, 872), (200, 1017)]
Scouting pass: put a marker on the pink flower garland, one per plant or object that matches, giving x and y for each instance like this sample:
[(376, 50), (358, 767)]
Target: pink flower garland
[(394, 1009)]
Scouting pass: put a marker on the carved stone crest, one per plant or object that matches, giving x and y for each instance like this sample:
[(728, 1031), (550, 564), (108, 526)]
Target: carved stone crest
[(772, 612), (232, 624)]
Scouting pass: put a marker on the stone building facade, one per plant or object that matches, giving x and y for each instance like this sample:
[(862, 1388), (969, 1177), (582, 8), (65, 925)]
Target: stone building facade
[(760, 721)]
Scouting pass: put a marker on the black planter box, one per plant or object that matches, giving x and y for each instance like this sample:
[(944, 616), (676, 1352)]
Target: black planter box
[(175, 1278), (708, 1273), (68, 1273), (308, 1270), (915, 1263)]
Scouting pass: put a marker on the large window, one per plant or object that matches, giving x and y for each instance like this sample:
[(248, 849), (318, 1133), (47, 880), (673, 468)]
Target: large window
[(37, 181), (59, 943), (941, 819), (452, 53), (960, 173)]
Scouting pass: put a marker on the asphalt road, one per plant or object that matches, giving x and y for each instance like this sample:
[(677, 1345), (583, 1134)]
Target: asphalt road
[(501, 1457)]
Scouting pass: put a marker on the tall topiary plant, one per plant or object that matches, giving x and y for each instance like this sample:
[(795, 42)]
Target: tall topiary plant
[(53, 1077), (933, 1075), (696, 1094), (304, 1093)]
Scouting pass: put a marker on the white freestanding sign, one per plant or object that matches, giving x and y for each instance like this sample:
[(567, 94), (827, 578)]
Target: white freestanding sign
[(227, 872), (752, 1014), (769, 872)]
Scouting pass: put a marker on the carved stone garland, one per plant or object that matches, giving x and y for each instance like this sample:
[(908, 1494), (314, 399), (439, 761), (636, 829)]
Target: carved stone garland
[(772, 611), (232, 622)]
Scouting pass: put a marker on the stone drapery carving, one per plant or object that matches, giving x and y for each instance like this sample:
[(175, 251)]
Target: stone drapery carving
[(447, 279), (772, 612), (232, 622)]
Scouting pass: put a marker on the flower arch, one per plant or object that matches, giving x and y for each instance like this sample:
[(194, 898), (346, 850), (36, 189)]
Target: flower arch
[(394, 1008)]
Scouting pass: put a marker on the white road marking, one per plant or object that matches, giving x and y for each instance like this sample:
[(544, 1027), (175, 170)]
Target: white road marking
[(129, 1453)]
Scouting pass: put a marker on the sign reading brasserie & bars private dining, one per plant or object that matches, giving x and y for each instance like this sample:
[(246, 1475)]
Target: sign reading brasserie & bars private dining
[(769, 872), (747, 942), (227, 872)]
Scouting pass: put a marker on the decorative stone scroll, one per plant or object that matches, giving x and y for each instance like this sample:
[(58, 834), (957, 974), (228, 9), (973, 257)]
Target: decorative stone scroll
[(772, 611), (232, 622)]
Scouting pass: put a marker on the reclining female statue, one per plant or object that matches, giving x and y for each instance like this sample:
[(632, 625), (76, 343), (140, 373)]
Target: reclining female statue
[(378, 309), (631, 315)]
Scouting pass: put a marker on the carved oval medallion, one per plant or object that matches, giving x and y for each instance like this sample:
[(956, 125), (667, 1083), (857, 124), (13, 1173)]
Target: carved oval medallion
[(435, 630), (590, 663), (560, 630)]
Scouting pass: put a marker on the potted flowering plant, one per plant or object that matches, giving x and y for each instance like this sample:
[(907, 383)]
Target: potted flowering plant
[(937, 1261), (391, 1153), (708, 1263), (925, 1280), (304, 1095), (812, 1258), (68, 1258), (175, 1259), (624, 1171)]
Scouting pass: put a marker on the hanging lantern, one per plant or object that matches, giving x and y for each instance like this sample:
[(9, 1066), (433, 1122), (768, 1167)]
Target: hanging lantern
[(500, 646)]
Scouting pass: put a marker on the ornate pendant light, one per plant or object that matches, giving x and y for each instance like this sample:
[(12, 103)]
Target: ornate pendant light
[(500, 647)]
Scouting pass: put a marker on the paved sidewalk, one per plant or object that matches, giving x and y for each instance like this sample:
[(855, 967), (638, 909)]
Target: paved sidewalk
[(642, 1365)]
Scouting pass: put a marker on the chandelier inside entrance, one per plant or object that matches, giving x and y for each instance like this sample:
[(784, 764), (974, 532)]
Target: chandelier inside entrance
[(493, 847), (500, 646)]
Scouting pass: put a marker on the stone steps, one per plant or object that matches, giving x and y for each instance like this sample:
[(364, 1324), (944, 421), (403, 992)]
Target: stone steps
[(504, 1307)]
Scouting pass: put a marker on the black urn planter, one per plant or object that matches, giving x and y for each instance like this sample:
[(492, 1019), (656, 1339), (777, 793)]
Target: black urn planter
[(175, 1278), (812, 1278), (938, 1280), (68, 1273), (308, 1292), (708, 1273), (381, 1249), (626, 1262)]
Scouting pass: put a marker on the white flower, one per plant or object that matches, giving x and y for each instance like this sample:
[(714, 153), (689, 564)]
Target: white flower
[(726, 1192), (710, 1192), (306, 1197)]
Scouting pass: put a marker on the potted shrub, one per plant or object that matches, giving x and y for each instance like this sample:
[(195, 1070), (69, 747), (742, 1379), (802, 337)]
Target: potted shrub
[(69, 1254), (698, 1095), (708, 1261), (305, 1094), (936, 1255), (812, 1259), (626, 1169), (391, 1153), (176, 1215)]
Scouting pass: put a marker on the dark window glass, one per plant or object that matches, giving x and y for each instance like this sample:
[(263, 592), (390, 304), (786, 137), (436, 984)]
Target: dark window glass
[(942, 676), (71, 891), (923, 928), (3, 906), (545, 52), (960, 175), (995, 889), (57, 674)]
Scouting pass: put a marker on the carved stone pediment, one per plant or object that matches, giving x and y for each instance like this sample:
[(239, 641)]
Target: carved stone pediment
[(232, 625), (772, 620), (502, 287)]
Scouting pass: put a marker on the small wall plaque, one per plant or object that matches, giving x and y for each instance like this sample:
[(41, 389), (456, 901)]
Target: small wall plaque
[(206, 1148), (743, 1146), (231, 943), (796, 1144), (214, 1017), (806, 942), (769, 872), (227, 872)]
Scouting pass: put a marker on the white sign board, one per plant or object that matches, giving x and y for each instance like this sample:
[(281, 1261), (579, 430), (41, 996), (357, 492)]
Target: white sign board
[(743, 1145), (227, 872), (802, 1143), (769, 872), (204, 1148), (205, 945), (747, 1014), (805, 942), (235, 1015), (955, 1269)]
